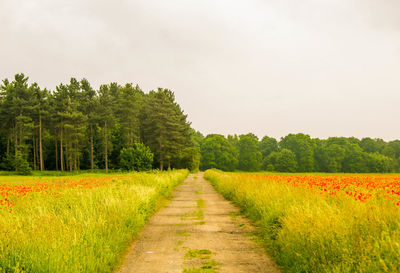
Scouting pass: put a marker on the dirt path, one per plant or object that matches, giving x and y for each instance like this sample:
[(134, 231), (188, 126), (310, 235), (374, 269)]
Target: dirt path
[(198, 231)]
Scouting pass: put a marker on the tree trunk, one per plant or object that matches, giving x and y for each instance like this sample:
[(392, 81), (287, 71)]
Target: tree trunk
[(21, 139), (40, 144), (131, 138), (106, 145), (161, 162), (161, 155), (169, 164), (76, 155), (34, 152), (91, 147), (15, 140), (56, 144), (68, 156), (8, 145), (61, 150), (37, 152)]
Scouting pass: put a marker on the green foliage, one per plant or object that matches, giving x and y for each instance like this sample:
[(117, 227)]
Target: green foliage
[(301, 145), (165, 128), (329, 157), (7, 163), (282, 161), (188, 158), (249, 156), (370, 145), (378, 163), (233, 139), (138, 157), (392, 149), (77, 127), (218, 152), (268, 145), (286, 161), (130, 104), (197, 137), (21, 165), (336, 154)]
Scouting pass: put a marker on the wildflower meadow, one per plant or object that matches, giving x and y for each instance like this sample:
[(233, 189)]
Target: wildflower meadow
[(81, 223), (319, 222)]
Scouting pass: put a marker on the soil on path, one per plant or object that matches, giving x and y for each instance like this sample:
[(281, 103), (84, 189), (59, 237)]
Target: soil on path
[(198, 231)]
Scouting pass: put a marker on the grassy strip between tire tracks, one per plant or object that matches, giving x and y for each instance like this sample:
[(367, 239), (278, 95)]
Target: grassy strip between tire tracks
[(81, 229), (307, 232)]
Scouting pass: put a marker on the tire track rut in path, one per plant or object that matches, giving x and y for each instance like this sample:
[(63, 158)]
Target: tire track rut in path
[(198, 231)]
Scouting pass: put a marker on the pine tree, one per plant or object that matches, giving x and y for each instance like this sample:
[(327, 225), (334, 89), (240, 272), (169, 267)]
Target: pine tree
[(40, 111), (129, 101), (106, 115), (89, 106), (165, 129), (59, 105), (75, 125), (17, 110)]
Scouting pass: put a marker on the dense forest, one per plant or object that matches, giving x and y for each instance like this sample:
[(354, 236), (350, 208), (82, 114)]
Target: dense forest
[(76, 127), (300, 153)]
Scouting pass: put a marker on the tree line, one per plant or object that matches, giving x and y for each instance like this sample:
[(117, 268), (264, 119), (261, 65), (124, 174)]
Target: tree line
[(300, 153), (76, 127)]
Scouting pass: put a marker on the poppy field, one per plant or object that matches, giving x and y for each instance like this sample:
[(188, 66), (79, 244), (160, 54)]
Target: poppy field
[(80, 223), (321, 222)]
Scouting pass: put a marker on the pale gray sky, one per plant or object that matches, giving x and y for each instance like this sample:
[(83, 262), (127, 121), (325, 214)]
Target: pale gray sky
[(326, 68)]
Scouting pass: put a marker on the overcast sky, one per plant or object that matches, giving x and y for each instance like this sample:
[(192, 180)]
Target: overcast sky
[(272, 67)]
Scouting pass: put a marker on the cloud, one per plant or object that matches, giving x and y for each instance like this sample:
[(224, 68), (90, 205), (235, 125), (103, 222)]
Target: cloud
[(381, 15), (267, 66)]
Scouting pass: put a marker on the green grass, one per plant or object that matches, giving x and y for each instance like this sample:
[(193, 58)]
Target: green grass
[(178, 244), (183, 233), (203, 259), (201, 203), (210, 266), (234, 214), (79, 229), (308, 232), (198, 253), (197, 214)]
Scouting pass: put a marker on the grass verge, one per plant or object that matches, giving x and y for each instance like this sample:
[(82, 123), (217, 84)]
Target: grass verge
[(80, 229), (308, 232)]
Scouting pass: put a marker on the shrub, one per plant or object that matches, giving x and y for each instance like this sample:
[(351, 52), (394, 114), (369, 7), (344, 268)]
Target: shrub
[(138, 157), (21, 165)]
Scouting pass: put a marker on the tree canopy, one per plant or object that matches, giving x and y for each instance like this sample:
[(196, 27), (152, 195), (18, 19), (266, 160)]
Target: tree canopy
[(301, 153), (77, 127), (249, 155), (217, 152)]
